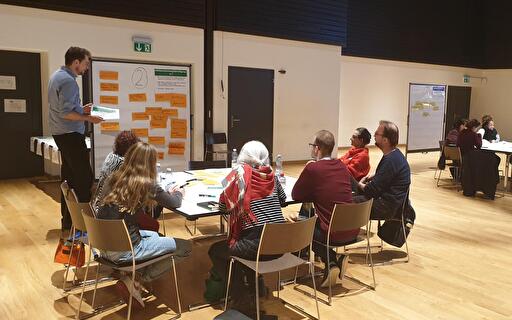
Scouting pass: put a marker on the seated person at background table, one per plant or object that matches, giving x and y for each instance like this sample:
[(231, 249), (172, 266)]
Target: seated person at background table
[(169, 199), (252, 197), (131, 189), (458, 126), (357, 159), (468, 138), (488, 131), (326, 181), (388, 186)]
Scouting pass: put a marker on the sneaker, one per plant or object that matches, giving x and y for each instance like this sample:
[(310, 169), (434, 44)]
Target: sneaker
[(124, 286), (330, 276), (343, 264)]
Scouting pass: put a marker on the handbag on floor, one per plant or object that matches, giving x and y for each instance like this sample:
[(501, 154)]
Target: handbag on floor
[(64, 249)]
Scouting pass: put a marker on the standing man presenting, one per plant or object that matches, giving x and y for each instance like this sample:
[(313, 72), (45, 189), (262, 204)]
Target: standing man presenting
[(67, 125)]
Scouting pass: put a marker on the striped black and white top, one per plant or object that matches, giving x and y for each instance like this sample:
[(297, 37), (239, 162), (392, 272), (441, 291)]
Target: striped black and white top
[(110, 165), (266, 210)]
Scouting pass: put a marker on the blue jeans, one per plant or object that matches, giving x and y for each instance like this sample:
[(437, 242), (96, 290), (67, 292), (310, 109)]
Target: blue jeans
[(151, 245)]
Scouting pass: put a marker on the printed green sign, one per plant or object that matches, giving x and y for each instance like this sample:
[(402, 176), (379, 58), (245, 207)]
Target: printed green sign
[(142, 47), (170, 73)]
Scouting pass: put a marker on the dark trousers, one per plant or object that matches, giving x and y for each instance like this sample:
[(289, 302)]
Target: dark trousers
[(76, 170), (246, 248), (381, 209), (319, 248)]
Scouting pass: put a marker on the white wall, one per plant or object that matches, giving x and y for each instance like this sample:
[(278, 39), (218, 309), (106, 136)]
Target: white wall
[(373, 90), (52, 33), (494, 97), (305, 98)]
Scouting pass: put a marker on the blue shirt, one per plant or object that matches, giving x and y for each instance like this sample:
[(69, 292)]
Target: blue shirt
[(63, 98)]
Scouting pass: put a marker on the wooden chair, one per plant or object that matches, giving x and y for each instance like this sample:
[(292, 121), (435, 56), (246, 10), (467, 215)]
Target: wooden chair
[(346, 217), (452, 153), (113, 235), (279, 238), (212, 140)]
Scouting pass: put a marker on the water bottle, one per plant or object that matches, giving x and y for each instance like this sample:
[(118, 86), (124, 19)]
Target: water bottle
[(279, 169), (234, 158)]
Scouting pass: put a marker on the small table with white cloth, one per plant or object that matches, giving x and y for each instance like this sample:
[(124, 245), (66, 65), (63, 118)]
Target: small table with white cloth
[(501, 147), (47, 148), (204, 186)]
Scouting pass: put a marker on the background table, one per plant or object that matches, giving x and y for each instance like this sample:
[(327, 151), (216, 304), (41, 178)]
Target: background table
[(205, 185), (501, 147)]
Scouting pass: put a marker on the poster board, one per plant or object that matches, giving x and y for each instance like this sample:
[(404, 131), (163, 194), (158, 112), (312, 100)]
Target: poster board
[(427, 107), (153, 101)]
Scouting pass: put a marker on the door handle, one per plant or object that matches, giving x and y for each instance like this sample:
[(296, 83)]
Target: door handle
[(233, 120)]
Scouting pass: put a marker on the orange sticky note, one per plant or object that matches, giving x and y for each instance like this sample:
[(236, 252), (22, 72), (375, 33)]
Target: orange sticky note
[(179, 100), (109, 100), (179, 128), (158, 124), (107, 86), (171, 113), (109, 126), (160, 155), (140, 132), (153, 110), (109, 75), (137, 97), (176, 148), (139, 116), (156, 140), (163, 97)]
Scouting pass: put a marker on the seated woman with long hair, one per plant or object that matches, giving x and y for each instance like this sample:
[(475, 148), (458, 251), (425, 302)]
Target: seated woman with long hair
[(253, 197), (129, 191), (357, 158)]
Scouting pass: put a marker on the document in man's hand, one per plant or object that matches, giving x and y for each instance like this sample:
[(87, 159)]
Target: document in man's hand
[(105, 113)]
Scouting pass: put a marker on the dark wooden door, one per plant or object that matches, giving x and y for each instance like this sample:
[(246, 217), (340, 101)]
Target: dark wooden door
[(20, 113), (250, 106), (457, 105)]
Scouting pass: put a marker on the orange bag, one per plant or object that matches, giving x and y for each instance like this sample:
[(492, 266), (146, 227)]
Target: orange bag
[(63, 250)]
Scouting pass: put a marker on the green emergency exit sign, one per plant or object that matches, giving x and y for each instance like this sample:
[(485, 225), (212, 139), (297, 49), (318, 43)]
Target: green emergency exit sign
[(142, 47)]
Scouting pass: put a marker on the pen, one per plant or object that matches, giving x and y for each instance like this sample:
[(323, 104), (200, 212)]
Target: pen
[(188, 172), (207, 195)]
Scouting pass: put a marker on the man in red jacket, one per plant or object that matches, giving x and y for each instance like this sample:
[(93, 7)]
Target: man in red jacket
[(326, 181)]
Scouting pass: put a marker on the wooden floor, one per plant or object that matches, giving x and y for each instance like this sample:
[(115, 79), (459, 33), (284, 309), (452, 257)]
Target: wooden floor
[(460, 264)]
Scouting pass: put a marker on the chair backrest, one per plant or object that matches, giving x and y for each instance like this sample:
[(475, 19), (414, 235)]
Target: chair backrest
[(199, 165), (452, 153), (350, 216), (74, 207), (441, 145), (280, 238), (214, 138), (107, 235)]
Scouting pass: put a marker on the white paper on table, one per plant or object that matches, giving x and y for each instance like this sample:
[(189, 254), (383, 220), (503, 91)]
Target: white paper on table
[(55, 156), (32, 140), (105, 113), (39, 151), (46, 151)]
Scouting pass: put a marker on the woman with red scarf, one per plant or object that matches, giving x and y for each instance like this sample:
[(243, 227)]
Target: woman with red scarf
[(357, 158), (253, 197)]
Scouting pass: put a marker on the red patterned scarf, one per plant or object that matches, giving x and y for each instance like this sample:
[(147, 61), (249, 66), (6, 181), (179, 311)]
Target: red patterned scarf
[(242, 185)]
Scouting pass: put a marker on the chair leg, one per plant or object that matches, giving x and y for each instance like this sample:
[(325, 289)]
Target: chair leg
[(131, 293), (371, 260), (227, 286), (69, 259), (278, 282), (327, 269), (83, 286), (95, 285), (176, 284), (312, 272), (405, 237), (77, 268), (439, 177), (257, 296)]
